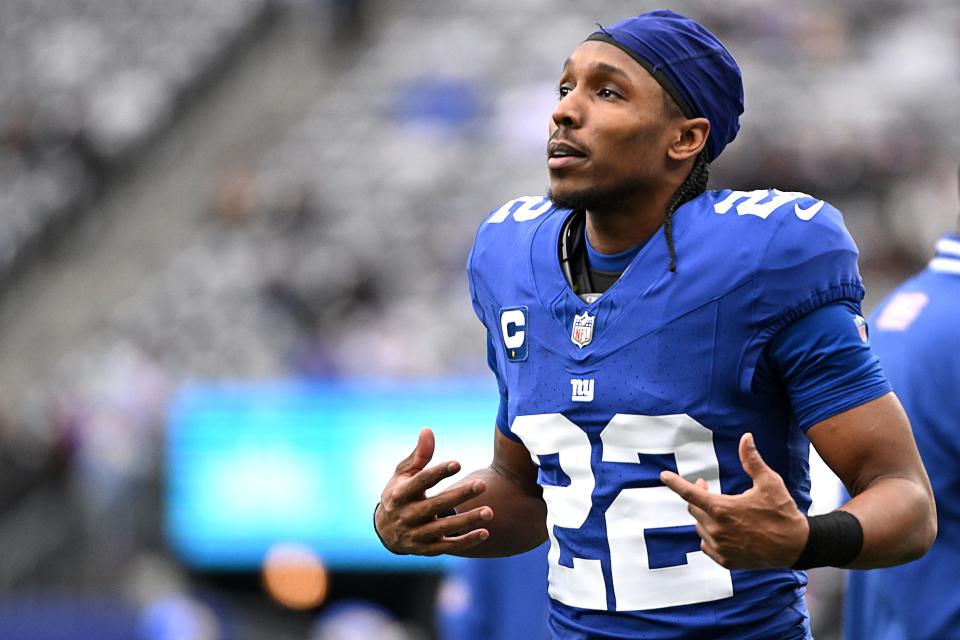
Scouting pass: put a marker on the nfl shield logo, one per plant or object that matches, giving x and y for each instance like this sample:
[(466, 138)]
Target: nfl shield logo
[(582, 329), (861, 325)]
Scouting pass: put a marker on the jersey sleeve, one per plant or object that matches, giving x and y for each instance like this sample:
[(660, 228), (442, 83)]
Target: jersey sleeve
[(824, 363), (806, 264), (503, 422), (481, 305)]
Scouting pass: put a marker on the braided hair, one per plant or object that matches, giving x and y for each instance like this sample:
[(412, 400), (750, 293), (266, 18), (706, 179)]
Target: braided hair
[(694, 185)]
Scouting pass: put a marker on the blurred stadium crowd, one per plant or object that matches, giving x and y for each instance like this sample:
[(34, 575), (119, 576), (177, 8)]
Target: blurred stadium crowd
[(337, 248)]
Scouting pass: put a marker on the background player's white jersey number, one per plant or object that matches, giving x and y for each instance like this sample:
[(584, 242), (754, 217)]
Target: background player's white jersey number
[(635, 585)]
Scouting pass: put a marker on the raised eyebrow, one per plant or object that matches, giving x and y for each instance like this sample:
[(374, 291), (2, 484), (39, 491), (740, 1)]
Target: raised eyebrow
[(611, 69), (603, 67)]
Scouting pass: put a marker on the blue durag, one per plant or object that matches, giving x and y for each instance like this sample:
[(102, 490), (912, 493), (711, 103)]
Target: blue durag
[(691, 65)]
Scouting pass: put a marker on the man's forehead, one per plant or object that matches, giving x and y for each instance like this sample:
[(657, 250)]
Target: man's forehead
[(605, 58), (591, 51)]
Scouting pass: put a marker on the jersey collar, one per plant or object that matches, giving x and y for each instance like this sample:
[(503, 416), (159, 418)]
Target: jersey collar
[(649, 267), (947, 259)]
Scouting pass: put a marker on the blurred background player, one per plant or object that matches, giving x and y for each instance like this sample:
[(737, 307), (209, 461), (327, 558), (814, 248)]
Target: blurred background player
[(916, 333), (502, 598)]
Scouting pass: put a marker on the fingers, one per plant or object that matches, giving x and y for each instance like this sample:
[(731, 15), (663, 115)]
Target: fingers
[(750, 458), (444, 501), (453, 526), (708, 543), (695, 494), (449, 535), (421, 454), (709, 531), (413, 511), (705, 536), (714, 554), (427, 478), (704, 522), (456, 544)]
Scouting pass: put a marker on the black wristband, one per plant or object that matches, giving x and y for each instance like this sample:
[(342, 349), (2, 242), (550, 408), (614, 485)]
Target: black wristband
[(379, 537), (835, 540)]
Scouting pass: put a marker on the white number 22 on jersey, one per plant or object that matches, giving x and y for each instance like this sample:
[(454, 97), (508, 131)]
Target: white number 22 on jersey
[(635, 585)]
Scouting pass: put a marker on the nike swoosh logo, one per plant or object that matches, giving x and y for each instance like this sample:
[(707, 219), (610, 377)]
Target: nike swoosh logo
[(809, 212)]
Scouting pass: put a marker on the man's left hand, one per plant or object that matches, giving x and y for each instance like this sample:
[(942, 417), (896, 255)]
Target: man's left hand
[(758, 529)]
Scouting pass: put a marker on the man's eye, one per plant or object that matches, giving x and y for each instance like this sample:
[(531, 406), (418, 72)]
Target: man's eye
[(608, 93), (563, 91)]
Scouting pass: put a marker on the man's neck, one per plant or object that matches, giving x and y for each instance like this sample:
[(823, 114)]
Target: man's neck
[(631, 224)]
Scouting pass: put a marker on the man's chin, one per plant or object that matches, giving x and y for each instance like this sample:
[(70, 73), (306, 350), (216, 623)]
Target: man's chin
[(576, 199), (593, 198)]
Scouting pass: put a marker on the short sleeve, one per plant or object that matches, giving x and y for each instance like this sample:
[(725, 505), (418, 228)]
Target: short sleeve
[(808, 263), (503, 422), (824, 363)]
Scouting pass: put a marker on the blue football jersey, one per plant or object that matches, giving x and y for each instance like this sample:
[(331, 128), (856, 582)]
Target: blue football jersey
[(657, 374), (916, 332)]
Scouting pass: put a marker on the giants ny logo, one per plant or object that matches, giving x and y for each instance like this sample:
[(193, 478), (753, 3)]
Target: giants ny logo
[(582, 389)]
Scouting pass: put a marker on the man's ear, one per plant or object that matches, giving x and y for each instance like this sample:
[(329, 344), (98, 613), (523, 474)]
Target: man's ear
[(690, 139)]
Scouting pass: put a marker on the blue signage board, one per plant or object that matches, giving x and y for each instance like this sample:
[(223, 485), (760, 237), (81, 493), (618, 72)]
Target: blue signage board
[(251, 464)]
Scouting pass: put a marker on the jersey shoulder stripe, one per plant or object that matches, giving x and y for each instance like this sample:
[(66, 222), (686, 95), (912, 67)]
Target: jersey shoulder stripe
[(520, 209)]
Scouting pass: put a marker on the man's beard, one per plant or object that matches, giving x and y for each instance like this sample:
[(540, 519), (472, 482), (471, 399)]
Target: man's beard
[(595, 199)]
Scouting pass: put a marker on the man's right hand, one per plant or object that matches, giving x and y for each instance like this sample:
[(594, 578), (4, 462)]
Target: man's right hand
[(407, 521)]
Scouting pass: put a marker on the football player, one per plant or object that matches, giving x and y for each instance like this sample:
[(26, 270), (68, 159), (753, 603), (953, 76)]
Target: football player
[(917, 336), (502, 598), (665, 356)]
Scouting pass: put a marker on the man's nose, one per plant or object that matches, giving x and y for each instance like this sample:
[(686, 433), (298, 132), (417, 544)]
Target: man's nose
[(568, 112)]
